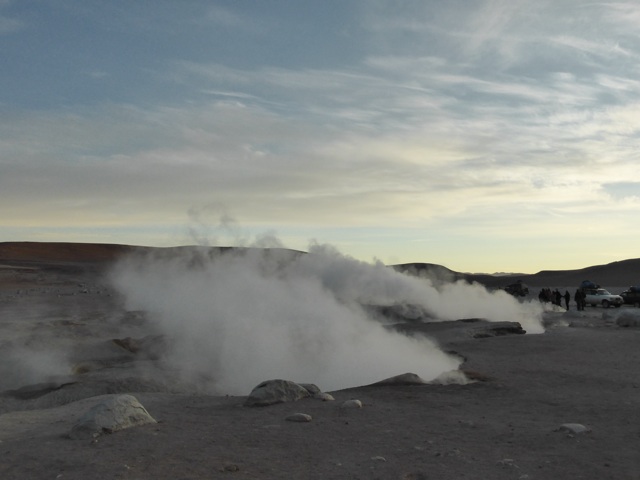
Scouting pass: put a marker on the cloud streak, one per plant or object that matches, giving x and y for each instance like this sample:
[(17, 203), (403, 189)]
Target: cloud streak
[(462, 124)]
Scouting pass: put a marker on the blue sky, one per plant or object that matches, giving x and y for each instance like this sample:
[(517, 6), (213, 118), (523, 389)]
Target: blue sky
[(497, 135)]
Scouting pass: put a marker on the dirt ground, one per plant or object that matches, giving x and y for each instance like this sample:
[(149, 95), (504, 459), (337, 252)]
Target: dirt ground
[(507, 425)]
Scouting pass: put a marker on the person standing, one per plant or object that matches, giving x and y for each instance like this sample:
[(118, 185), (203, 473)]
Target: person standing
[(578, 297), (567, 299)]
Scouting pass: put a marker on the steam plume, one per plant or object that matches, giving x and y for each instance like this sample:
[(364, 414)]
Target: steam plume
[(245, 316)]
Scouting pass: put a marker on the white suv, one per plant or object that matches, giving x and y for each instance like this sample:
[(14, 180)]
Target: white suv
[(600, 296)]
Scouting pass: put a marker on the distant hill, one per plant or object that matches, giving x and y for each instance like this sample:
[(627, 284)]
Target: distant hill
[(431, 270), (87, 253), (622, 273), (61, 252)]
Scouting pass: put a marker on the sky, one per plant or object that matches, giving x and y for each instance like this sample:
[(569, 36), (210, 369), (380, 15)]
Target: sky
[(483, 135)]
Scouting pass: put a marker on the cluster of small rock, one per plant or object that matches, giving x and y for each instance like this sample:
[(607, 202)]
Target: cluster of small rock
[(119, 412), (275, 391)]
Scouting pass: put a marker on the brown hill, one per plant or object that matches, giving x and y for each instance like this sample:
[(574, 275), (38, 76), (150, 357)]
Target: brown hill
[(45, 252), (48, 253), (620, 273)]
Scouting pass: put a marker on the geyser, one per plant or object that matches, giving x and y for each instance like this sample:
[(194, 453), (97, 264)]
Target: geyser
[(246, 315)]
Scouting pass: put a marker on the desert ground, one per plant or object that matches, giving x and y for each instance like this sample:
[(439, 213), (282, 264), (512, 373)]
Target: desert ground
[(518, 416)]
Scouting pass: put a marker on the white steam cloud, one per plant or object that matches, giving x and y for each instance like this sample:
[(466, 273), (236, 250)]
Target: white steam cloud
[(239, 318)]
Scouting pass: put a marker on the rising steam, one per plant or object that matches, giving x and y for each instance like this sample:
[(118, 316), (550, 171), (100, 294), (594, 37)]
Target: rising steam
[(248, 315)]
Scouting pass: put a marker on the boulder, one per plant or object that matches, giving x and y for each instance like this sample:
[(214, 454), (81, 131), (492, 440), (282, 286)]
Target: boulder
[(271, 392), (115, 413)]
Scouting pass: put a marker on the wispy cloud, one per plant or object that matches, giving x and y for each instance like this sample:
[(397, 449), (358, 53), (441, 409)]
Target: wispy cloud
[(448, 123), (627, 13), (10, 25), (224, 17), (586, 46)]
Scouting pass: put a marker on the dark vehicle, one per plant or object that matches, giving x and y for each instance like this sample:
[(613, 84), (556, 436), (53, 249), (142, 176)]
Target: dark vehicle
[(631, 296), (517, 289)]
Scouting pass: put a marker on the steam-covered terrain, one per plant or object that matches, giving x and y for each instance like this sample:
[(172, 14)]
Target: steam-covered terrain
[(237, 318), (191, 331), (220, 322)]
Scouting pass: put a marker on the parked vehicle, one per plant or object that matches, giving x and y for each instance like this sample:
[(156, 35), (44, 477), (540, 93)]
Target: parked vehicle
[(600, 296), (588, 284), (518, 289), (631, 296)]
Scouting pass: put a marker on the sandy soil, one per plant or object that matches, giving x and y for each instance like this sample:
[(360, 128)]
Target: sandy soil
[(583, 369)]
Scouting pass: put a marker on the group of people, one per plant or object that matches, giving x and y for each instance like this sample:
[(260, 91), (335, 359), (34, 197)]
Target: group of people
[(555, 297)]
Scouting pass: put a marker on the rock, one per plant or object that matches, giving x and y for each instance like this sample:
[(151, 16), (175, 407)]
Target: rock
[(325, 397), (404, 379), (573, 428), (507, 462), (316, 393), (311, 388), (128, 343), (352, 404), (275, 391), (628, 319), (475, 376), (151, 346), (299, 417), (496, 329), (115, 413)]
